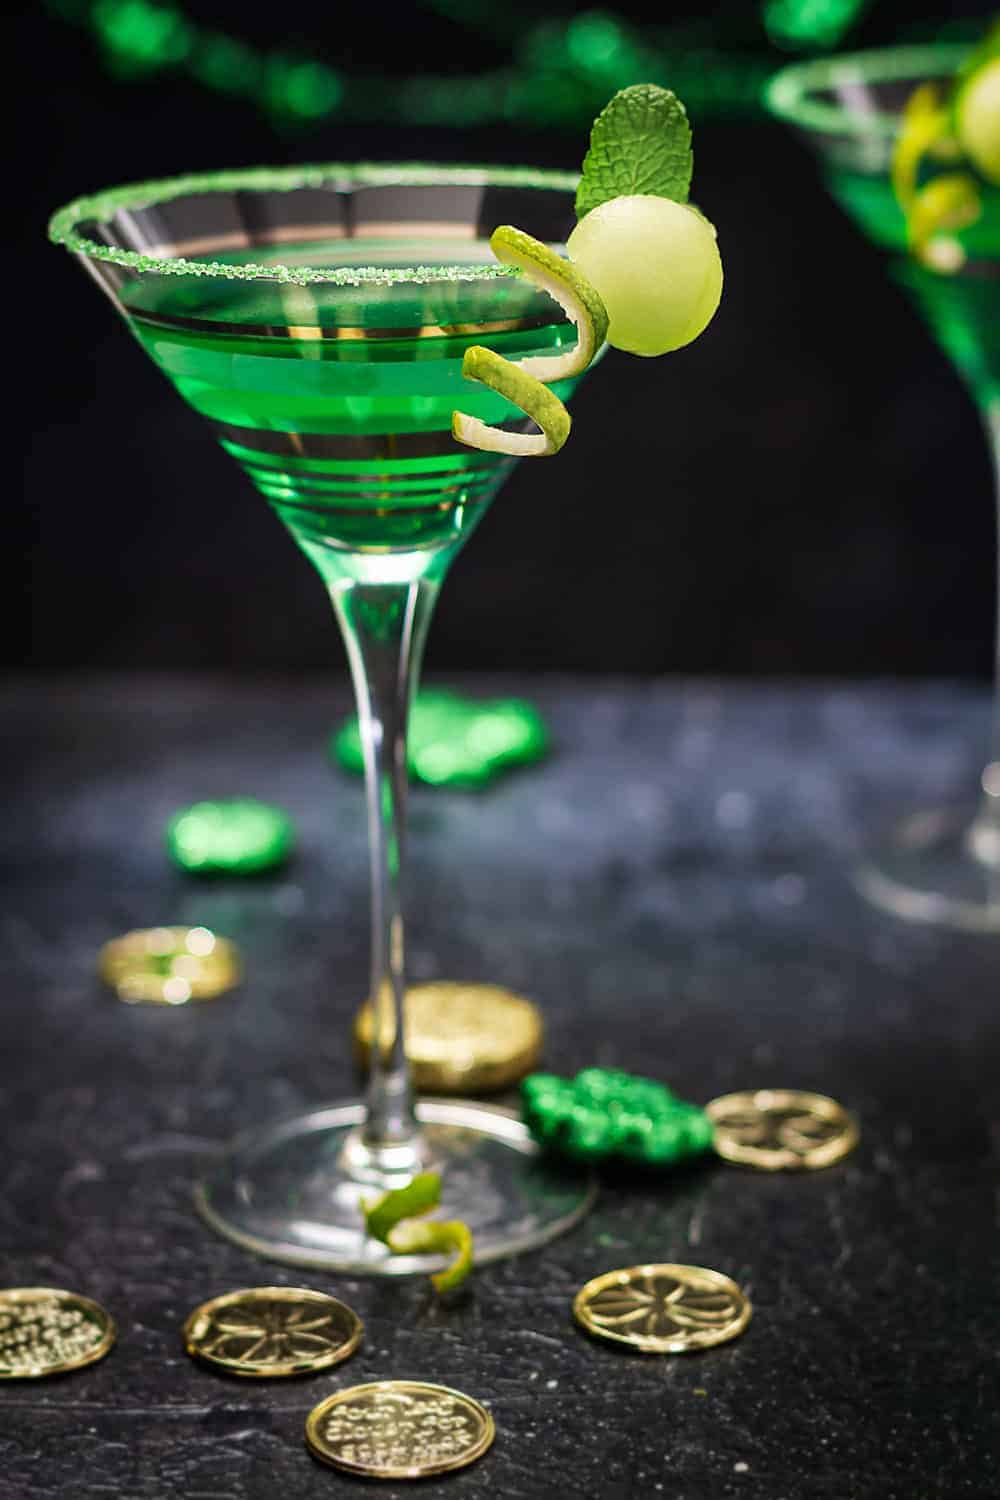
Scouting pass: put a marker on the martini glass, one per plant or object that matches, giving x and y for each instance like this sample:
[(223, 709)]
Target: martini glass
[(941, 864), (318, 318)]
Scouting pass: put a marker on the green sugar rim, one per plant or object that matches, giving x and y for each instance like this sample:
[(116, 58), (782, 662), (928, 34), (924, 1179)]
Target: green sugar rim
[(102, 206), (787, 93)]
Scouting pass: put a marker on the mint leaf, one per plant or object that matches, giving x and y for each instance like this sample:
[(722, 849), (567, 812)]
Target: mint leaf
[(640, 143)]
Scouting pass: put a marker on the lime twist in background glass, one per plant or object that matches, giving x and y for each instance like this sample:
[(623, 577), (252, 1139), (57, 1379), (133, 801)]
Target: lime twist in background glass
[(955, 124)]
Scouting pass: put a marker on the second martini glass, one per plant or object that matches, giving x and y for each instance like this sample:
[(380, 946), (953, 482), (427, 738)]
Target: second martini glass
[(941, 865), (318, 318)]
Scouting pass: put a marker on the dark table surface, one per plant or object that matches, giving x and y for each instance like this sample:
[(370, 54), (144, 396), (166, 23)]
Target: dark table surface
[(671, 886)]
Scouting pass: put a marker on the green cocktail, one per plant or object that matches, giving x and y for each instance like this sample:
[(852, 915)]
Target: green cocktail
[(941, 865), (318, 317), (960, 307), (337, 399), (370, 343)]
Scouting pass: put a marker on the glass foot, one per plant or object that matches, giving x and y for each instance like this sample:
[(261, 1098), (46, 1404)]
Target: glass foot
[(283, 1190), (940, 867)]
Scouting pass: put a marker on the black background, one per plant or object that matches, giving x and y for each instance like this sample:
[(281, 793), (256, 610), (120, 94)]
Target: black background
[(804, 490)]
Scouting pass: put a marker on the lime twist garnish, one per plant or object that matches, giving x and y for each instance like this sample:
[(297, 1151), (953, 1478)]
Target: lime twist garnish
[(564, 283), (536, 401), (396, 1217), (958, 125), (644, 271), (521, 380)]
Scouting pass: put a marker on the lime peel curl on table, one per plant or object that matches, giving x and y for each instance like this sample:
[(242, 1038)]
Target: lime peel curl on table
[(643, 271), (397, 1220)]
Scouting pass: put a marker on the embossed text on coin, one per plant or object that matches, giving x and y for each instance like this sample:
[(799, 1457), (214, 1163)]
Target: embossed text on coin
[(47, 1331), (399, 1429)]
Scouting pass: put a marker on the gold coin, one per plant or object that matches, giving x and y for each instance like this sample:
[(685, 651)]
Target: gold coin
[(461, 1038), (169, 965), (44, 1331), (782, 1129), (399, 1429), (663, 1309), (273, 1330)]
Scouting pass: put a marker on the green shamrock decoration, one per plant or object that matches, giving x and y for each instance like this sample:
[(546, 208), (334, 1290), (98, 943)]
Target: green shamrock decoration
[(603, 1114)]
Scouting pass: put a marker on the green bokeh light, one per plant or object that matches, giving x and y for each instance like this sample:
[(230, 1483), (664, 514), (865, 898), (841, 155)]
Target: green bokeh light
[(596, 40), (559, 74), (226, 64), (141, 37), (300, 89), (803, 25)]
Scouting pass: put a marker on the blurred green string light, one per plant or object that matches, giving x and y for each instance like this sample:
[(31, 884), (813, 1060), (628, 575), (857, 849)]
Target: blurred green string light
[(596, 41), (301, 89), (139, 36), (223, 63), (803, 25), (561, 73)]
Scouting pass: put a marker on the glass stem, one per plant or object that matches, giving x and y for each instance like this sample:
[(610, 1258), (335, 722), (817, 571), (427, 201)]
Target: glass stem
[(384, 627), (984, 834)]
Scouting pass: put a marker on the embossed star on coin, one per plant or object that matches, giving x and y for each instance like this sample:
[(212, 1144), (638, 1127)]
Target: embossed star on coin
[(782, 1129), (273, 1330), (399, 1429), (46, 1331), (663, 1309)]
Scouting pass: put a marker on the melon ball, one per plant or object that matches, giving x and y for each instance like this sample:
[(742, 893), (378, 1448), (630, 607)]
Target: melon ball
[(656, 266), (977, 119)]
